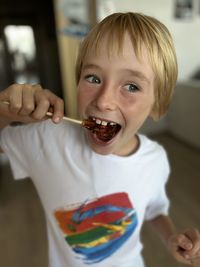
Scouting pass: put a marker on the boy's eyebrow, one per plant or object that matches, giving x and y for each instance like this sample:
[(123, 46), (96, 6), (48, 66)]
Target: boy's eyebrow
[(135, 73), (90, 66), (138, 74)]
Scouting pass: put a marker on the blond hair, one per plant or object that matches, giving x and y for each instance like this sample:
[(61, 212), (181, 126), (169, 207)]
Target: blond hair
[(143, 30)]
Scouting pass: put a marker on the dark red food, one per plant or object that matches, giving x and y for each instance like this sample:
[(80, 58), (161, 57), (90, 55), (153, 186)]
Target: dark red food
[(105, 133)]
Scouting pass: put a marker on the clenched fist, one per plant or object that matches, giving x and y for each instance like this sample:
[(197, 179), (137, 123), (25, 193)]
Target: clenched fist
[(185, 247), (29, 103)]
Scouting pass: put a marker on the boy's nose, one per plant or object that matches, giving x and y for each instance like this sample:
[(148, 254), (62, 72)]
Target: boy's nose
[(106, 99)]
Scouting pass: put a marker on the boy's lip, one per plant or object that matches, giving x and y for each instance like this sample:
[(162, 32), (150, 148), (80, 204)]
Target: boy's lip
[(95, 140), (105, 131), (101, 144), (101, 119)]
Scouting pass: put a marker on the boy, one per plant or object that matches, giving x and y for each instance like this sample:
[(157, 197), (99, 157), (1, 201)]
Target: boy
[(97, 189)]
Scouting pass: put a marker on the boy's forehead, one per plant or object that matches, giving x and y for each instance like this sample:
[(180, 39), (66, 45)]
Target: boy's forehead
[(111, 46), (122, 58)]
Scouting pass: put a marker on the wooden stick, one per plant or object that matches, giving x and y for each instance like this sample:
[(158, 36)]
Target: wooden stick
[(49, 114)]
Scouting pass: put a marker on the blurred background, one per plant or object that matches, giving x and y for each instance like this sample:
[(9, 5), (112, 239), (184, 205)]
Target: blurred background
[(38, 44)]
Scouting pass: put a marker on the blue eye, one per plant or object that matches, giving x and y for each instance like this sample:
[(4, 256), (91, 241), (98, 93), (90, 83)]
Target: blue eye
[(92, 79), (132, 87)]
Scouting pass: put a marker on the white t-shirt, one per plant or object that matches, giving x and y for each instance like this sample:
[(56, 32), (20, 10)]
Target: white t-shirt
[(95, 205)]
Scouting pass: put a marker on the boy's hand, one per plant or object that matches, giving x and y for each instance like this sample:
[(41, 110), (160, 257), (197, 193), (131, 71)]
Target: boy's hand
[(185, 247), (29, 103)]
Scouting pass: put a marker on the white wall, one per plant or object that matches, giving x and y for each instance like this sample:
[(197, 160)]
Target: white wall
[(186, 34), (184, 113), (187, 43), (162, 10)]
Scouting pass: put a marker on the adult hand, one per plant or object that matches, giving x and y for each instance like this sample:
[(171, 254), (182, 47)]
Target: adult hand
[(29, 103)]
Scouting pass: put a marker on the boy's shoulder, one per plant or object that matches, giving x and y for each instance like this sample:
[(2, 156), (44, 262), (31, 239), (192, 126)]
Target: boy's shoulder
[(50, 128), (155, 153), (151, 146), (149, 142), (42, 131)]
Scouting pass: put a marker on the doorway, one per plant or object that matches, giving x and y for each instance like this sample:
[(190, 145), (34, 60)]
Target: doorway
[(28, 44), (18, 50)]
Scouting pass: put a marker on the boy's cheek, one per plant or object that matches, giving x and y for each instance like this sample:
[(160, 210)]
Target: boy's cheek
[(81, 105), (84, 98)]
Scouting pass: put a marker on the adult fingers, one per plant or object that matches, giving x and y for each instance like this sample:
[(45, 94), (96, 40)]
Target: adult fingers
[(14, 97), (45, 101), (56, 106), (28, 99)]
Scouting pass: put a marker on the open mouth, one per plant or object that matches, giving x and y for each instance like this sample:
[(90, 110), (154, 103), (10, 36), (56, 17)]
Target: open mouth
[(105, 131)]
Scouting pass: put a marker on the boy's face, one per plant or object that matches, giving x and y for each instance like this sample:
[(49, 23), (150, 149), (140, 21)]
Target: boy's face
[(117, 88)]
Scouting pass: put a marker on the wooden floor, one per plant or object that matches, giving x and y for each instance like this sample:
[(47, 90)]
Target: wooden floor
[(22, 226), (184, 193)]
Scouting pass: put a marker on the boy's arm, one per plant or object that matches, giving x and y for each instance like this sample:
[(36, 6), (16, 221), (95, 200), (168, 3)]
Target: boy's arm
[(164, 226), (185, 247)]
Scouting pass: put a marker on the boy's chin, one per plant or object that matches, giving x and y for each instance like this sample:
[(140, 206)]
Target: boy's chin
[(103, 152)]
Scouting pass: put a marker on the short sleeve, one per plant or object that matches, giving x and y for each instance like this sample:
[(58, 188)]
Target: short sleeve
[(17, 143), (159, 202)]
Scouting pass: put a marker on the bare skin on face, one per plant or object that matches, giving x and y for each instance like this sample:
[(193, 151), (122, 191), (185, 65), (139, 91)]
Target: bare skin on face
[(117, 93)]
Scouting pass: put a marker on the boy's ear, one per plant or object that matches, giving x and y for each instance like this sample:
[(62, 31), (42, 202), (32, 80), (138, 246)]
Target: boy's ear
[(154, 114)]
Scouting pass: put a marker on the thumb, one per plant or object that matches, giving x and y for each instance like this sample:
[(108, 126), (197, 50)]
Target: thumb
[(184, 242), (4, 106)]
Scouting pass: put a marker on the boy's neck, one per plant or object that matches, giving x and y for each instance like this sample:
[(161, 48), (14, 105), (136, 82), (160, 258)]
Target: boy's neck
[(130, 148)]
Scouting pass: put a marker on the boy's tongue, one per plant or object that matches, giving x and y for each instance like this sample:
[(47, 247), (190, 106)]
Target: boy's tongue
[(103, 132), (106, 133)]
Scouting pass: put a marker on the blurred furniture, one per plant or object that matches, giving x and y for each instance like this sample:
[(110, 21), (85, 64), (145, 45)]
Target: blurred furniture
[(183, 118), (72, 20)]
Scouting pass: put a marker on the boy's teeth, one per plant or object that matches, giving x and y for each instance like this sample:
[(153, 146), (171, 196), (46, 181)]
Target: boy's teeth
[(104, 123), (98, 121)]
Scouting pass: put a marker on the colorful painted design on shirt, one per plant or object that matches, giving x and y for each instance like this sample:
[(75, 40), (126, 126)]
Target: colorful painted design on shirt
[(96, 229)]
